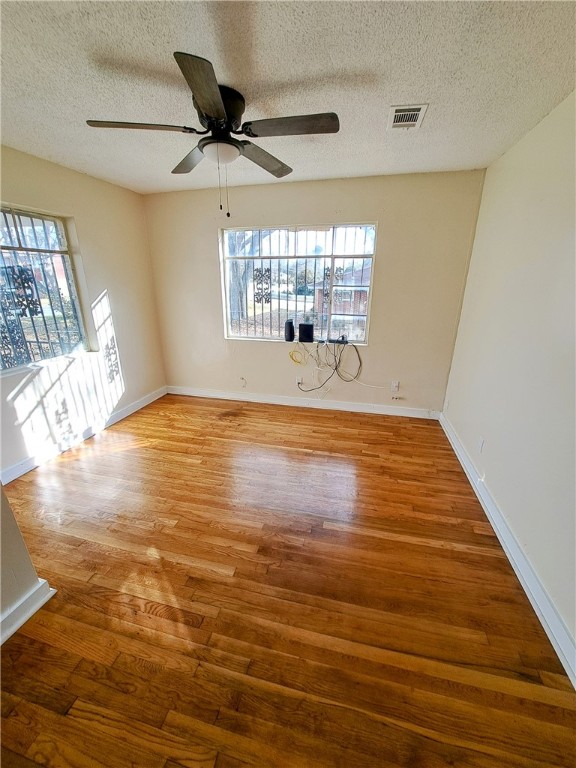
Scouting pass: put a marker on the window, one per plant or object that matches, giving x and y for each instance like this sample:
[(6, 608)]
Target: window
[(39, 311), (319, 275)]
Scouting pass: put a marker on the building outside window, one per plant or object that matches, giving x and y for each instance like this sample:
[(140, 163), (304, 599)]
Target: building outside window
[(39, 310), (319, 275)]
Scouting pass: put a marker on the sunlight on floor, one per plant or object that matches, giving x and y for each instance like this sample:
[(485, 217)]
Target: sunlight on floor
[(257, 470)]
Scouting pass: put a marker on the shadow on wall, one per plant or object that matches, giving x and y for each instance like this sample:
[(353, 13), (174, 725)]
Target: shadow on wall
[(63, 401)]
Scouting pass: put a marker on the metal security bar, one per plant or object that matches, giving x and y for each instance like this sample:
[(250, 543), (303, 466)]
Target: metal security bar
[(319, 275), (39, 310)]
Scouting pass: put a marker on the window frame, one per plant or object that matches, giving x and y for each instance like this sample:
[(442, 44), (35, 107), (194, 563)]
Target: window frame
[(295, 256), (72, 274)]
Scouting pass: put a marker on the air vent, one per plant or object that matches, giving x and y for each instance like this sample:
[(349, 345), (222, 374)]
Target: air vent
[(407, 117)]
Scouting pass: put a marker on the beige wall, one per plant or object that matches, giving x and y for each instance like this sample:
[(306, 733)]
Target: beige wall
[(117, 289), (425, 231), (512, 379)]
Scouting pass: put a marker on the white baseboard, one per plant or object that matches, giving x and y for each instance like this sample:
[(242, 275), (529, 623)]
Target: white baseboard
[(26, 465), (306, 402), (564, 644), (128, 410), (17, 470), (18, 614)]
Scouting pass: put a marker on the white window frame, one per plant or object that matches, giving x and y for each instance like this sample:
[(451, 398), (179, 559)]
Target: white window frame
[(293, 255)]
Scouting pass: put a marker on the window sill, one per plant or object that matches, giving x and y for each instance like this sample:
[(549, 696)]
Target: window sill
[(39, 365), (283, 341)]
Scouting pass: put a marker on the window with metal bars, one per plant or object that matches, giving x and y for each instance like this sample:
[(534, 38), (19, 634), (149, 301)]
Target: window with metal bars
[(39, 310), (319, 275)]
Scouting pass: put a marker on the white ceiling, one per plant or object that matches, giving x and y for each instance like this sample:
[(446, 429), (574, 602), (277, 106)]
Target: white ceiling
[(490, 71)]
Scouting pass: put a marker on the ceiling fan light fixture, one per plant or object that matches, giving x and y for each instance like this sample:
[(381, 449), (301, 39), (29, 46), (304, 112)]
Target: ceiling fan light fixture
[(222, 152)]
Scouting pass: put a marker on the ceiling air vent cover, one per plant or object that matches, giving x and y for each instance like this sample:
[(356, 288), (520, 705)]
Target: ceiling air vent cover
[(407, 117)]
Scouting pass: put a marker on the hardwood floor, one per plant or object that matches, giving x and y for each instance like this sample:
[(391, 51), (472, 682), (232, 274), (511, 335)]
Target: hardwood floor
[(243, 584)]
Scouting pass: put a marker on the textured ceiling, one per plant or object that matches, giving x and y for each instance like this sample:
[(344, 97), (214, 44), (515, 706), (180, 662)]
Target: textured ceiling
[(490, 71)]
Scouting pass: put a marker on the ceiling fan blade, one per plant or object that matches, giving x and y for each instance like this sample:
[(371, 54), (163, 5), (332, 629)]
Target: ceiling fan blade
[(265, 160), (325, 122), (199, 74), (190, 162), (142, 126)]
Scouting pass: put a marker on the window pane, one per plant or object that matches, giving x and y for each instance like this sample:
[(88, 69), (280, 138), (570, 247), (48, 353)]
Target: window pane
[(236, 283), (350, 301), (353, 327), (277, 242), (314, 242), (242, 243), (8, 235), (354, 240), (40, 233), (353, 271)]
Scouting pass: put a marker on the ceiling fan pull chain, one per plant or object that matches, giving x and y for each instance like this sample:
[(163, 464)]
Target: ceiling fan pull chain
[(227, 199), (219, 184)]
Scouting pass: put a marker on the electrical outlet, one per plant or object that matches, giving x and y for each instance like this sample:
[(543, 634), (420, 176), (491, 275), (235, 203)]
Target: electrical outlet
[(394, 386), (299, 380), (243, 382)]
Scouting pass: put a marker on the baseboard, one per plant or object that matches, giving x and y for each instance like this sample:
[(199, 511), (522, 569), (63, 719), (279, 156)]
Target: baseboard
[(309, 402), (17, 470), (26, 465), (17, 615), (564, 644), (128, 410)]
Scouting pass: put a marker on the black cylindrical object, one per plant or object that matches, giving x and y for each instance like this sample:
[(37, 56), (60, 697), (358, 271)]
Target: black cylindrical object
[(289, 330), (306, 332)]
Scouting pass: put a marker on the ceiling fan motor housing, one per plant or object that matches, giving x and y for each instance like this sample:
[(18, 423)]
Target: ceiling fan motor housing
[(234, 105)]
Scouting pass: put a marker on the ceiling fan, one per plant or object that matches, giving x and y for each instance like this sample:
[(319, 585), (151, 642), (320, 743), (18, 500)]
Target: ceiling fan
[(220, 111)]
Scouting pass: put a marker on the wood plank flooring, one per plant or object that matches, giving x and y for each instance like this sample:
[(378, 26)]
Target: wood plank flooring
[(251, 585)]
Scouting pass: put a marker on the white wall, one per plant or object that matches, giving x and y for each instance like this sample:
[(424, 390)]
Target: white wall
[(48, 407), (22, 591), (512, 381), (425, 231)]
